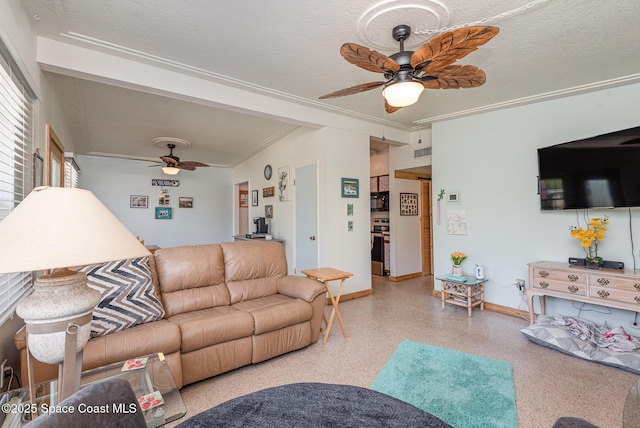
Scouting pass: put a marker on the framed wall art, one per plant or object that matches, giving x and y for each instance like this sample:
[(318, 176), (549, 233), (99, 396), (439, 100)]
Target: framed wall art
[(268, 211), (283, 182), (163, 213), (138, 201), (408, 204), (244, 198), (185, 202), (267, 192), (350, 187), (254, 198)]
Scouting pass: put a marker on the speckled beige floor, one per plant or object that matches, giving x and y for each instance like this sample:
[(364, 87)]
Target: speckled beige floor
[(548, 384)]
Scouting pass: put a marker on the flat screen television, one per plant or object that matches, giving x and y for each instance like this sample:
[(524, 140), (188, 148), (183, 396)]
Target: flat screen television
[(597, 172)]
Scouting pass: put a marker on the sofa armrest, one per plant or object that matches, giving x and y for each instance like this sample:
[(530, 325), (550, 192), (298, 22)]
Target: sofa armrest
[(300, 287)]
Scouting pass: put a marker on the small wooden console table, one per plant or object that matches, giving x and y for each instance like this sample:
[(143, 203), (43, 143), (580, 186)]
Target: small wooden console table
[(607, 287), (462, 293), (325, 275)]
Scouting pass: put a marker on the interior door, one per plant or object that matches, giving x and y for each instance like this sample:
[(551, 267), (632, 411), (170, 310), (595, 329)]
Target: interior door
[(306, 205)]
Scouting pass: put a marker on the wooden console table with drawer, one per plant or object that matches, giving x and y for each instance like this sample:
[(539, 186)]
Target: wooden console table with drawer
[(606, 287)]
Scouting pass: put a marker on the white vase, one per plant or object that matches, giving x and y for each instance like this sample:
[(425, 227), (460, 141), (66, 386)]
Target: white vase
[(456, 270)]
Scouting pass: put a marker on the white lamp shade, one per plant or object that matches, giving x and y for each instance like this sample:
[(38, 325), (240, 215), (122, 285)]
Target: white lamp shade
[(56, 227), (170, 170), (402, 94)]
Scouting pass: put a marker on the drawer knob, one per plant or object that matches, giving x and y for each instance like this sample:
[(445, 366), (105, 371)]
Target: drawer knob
[(573, 288), (636, 286), (603, 293), (637, 299), (543, 284), (603, 281), (572, 277), (544, 273)]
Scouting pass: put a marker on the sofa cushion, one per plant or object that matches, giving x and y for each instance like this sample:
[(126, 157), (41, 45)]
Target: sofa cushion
[(212, 326), (128, 295), (275, 312), (252, 269), (159, 336), (191, 278)]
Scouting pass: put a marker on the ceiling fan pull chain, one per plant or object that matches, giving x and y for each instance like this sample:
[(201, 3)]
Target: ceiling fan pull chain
[(484, 20)]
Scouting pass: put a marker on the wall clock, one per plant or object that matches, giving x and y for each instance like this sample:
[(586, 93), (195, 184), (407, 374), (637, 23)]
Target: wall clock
[(267, 172)]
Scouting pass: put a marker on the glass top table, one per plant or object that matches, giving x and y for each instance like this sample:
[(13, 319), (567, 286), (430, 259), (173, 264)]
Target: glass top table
[(146, 375)]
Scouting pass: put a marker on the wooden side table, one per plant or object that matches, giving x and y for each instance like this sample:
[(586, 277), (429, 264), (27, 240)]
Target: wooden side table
[(325, 275), (462, 293)]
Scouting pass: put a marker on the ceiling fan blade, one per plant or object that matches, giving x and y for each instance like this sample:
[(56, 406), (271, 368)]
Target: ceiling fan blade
[(169, 160), (186, 167), (353, 90), (193, 163), (389, 108), (367, 59), (446, 48), (455, 77)]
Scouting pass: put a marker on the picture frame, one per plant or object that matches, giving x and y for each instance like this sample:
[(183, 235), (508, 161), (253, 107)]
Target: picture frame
[(268, 211), (38, 169), (138, 201), (349, 210), (268, 192), (408, 204), (283, 183), (350, 187), (244, 199), (164, 213), (164, 200), (185, 202), (254, 198)]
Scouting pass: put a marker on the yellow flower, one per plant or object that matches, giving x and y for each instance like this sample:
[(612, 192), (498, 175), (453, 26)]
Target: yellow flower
[(590, 236), (457, 257)]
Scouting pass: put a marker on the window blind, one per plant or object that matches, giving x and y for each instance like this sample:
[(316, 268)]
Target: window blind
[(71, 172), (16, 136)]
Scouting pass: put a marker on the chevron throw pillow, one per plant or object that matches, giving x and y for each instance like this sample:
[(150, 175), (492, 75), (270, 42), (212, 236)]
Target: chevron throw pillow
[(128, 295)]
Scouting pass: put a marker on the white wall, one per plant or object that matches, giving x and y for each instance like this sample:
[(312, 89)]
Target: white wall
[(337, 154), (209, 221), (491, 160)]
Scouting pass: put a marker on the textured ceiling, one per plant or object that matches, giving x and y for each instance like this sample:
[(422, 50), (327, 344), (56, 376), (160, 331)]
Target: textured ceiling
[(291, 48)]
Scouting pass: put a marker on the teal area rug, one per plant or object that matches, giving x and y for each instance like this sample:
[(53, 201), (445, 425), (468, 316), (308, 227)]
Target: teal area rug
[(463, 390)]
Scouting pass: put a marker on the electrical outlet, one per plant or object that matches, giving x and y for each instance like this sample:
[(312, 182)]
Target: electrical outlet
[(519, 283)]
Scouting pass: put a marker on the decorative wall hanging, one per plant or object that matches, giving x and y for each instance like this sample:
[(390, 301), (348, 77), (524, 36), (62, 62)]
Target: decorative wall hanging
[(244, 198), (267, 172), (350, 187), (350, 209), (164, 200), (408, 204), (350, 226), (268, 211), (164, 183), (267, 192), (283, 182), (254, 198), (138, 201), (163, 213), (185, 202), (457, 222)]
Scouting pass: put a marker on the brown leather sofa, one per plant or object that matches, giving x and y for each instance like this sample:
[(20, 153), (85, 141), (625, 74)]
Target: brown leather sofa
[(227, 305)]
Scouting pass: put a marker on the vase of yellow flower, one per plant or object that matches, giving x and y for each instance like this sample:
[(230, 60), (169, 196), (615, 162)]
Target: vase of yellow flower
[(589, 239), (457, 258)]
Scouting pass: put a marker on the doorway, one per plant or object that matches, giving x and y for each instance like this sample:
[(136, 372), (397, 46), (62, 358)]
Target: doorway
[(242, 208)]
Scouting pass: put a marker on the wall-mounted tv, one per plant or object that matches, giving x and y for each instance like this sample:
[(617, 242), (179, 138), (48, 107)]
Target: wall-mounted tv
[(597, 172)]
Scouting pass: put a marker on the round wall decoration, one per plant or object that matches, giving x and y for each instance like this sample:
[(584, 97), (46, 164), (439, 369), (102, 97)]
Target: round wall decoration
[(267, 172)]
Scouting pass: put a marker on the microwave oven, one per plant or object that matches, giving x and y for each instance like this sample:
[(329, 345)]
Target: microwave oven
[(380, 201)]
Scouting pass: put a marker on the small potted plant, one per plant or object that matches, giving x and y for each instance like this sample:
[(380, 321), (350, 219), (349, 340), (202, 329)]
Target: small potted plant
[(589, 239), (457, 257)]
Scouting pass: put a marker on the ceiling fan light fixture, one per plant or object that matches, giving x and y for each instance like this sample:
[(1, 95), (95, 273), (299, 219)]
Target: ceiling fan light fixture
[(170, 170), (403, 94)]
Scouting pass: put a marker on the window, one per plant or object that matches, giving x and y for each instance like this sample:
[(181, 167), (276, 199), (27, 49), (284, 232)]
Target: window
[(71, 172), (16, 136)]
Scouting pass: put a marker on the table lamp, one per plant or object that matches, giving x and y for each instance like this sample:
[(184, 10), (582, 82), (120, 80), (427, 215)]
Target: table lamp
[(55, 228)]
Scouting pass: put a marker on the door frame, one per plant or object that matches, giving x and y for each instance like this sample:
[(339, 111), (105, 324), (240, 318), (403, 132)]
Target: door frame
[(295, 215)]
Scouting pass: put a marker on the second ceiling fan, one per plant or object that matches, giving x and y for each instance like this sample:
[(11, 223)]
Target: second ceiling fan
[(408, 73)]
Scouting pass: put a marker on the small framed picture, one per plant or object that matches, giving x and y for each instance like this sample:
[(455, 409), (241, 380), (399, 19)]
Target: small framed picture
[(185, 202), (254, 198), (163, 213), (408, 204), (453, 197), (268, 211), (350, 187), (349, 210), (350, 226), (164, 200), (138, 201)]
